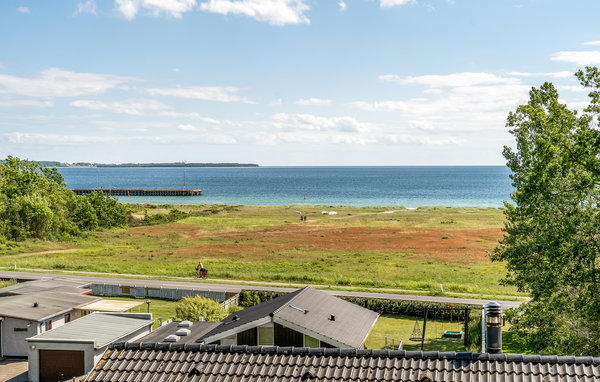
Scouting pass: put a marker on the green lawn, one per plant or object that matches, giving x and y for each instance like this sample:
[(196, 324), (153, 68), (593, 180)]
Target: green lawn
[(401, 328), (372, 247)]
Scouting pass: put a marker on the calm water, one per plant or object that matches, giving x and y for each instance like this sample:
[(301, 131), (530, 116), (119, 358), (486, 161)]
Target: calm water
[(484, 186)]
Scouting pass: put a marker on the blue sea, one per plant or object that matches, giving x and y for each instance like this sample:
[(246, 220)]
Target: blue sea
[(408, 186)]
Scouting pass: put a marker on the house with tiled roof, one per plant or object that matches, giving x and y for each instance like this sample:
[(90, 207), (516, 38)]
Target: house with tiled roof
[(204, 363), (307, 317), (187, 361)]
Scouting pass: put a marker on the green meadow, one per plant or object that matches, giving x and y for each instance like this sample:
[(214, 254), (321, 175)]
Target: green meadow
[(424, 250)]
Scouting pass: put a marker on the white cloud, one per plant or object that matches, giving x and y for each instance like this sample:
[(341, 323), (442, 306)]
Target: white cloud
[(312, 122), (131, 107), (591, 57), (194, 116), (342, 6), (23, 10), (561, 74), (54, 139), (470, 102), (78, 140), (313, 102), (88, 7), (56, 82), (206, 93), (421, 140), (277, 102), (175, 70), (174, 8), (591, 43), (451, 80), (395, 3), (274, 12), (25, 102), (186, 127), (381, 105)]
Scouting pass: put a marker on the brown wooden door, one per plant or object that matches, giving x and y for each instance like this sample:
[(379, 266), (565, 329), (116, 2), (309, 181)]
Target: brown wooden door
[(60, 365)]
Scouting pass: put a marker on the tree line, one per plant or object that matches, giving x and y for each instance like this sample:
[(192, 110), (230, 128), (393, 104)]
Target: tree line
[(35, 203)]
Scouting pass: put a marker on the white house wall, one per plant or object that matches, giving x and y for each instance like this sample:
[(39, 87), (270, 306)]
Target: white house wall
[(13, 343)]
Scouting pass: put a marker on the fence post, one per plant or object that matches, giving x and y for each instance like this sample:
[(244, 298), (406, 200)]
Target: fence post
[(467, 311), (424, 327)]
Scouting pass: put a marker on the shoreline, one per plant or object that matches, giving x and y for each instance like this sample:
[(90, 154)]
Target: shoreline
[(397, 207)]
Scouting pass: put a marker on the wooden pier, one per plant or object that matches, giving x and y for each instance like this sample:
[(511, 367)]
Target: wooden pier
[(139, 192)]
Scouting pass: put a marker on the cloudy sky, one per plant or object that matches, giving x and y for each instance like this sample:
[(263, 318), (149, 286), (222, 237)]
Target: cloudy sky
[(281, 82)]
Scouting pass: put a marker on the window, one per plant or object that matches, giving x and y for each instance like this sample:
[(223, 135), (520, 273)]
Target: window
[(265, 335), (125, 290), (49, 325), (311, 342), (67, 317)]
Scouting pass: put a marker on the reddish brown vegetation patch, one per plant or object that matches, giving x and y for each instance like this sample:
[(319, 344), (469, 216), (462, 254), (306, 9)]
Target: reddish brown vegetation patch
[(457, 245)]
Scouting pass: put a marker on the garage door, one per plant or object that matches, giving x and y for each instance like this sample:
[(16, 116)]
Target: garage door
[(59, 365)]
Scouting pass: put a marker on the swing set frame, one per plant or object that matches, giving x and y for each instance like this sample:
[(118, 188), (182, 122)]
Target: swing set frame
[(426, 311)]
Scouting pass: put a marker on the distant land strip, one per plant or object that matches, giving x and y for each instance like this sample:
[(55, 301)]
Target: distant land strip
[(174, 164)]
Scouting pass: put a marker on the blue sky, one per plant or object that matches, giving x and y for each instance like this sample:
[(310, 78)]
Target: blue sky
[(282, 82)]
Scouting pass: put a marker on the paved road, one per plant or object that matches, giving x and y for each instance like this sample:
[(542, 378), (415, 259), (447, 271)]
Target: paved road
[(14, 370), (237, 288)]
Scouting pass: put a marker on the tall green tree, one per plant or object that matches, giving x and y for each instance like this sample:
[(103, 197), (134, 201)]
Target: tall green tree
[(552, 232), (35, 203)]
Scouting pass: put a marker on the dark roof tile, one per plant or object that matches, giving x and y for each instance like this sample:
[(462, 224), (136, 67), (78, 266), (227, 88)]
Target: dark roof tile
[(155, 362)]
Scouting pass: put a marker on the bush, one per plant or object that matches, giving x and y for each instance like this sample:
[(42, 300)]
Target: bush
[(191, 308), (254, 297)]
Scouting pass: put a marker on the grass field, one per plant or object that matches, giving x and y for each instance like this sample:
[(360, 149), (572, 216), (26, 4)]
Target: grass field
[(367, 247)]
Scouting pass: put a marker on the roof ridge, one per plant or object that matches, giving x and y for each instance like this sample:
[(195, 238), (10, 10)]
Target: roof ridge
[(367, 353), (293, 298)]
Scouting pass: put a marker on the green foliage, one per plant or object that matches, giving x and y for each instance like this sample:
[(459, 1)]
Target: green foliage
[(234, 308), (5, 283), (254, 297), (109, 212), (552, 242), (34, 203), (173, 215), (190, 308), (409, 308)]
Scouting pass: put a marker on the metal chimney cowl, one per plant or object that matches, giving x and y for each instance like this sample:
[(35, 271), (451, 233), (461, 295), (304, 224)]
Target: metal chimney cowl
[(493, 323)]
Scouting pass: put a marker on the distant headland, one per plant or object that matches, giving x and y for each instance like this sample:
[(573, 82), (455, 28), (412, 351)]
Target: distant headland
[(173, 164)]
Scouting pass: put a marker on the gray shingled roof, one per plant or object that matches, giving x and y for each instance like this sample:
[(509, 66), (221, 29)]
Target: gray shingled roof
[(49, 304), (310, 309), (45, 285), (199, 363), (101, 328)]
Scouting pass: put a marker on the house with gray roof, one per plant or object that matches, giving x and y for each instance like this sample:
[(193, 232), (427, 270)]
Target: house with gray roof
[(203, 363), (73, 350), (26, 315), (307, 317)]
